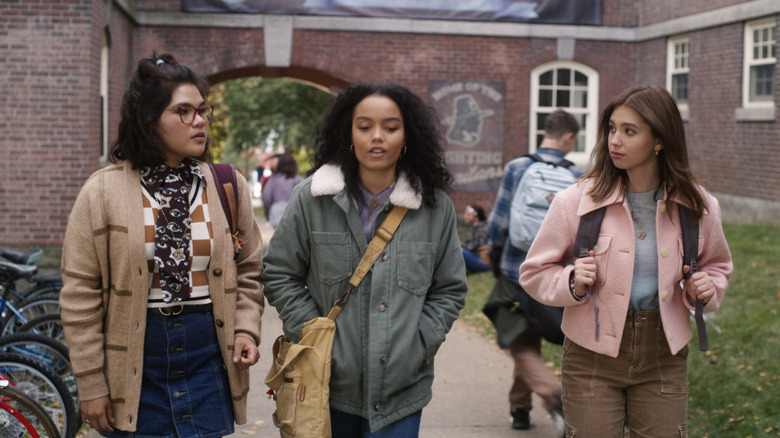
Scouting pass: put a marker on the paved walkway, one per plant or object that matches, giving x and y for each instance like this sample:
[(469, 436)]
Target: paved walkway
[(472, 378)]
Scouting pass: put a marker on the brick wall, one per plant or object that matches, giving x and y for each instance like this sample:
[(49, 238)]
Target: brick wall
[(49, 89), (49, 80)]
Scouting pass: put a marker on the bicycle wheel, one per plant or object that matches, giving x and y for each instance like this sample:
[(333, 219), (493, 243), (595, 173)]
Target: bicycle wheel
[(29, 309), (51, 353), (49, 325), (49, 288), (45, 387), (22, 417)]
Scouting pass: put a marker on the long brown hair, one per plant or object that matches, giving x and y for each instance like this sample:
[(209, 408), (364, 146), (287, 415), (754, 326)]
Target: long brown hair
[(659, 110)]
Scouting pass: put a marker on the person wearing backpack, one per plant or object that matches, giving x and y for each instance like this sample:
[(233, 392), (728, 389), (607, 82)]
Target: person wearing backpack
[(627, 316), (519, 322)]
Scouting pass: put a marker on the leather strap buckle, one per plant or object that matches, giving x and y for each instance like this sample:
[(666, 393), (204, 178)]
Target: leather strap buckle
[(181, 309)]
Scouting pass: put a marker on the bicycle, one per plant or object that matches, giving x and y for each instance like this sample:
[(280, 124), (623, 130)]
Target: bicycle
[(21, 416), (53, 354), (16, 311), (45, 284), (44, 386)]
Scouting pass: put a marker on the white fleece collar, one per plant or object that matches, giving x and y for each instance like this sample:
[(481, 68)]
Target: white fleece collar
[(329, 180)]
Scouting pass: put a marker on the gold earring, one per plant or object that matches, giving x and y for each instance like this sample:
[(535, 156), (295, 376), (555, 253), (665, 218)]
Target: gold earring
[(351, 147), (657, 152), (403, 151)]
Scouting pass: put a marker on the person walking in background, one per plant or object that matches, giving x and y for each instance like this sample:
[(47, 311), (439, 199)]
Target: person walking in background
[(278, 188), (474, 215), (633, 369), (509, 307), (378, 147), (161, 322)]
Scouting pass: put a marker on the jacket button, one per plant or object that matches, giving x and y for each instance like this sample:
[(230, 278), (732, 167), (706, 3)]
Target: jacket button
[(664, 252), (385, 257), (383, 307), (664, 295), (217, 272), (383, 359), (220, 323), (377, 407), (663, 207)]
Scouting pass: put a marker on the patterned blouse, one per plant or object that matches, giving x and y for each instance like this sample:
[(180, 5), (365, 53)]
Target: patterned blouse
[(477, 238)]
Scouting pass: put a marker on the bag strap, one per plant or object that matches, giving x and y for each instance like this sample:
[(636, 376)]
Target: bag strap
[(690, 233), (587, 236), (225, 179), (383, 235), (538, 159)]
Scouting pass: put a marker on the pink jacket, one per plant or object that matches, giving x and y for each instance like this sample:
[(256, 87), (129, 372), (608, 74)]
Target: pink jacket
[(545, 273)]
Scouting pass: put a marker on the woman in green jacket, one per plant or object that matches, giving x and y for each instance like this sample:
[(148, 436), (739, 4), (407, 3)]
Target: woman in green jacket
[(378, 147)]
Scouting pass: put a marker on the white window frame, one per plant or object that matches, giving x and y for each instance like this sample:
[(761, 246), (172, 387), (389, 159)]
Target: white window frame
[(750, 61), (104, 73), (678, 62), (591, 111)]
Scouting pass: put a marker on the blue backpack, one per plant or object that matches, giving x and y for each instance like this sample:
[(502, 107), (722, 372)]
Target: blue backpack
[(533, 196)]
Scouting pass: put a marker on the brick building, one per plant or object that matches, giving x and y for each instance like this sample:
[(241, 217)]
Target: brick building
[(64, 67)]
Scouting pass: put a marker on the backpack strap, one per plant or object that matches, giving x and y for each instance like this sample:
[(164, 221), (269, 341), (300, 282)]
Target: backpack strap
[(563, 162), (690, 234), (225, 179), (587, 236)]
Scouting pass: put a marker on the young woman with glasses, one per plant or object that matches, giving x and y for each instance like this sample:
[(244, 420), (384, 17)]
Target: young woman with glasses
[(162, 323)]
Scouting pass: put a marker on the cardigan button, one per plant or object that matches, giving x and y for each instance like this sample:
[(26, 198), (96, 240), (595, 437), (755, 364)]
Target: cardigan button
[(220, 323), (217, 272)]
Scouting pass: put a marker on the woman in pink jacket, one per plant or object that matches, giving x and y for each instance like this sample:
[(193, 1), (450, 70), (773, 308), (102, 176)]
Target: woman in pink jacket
[(624, 360)]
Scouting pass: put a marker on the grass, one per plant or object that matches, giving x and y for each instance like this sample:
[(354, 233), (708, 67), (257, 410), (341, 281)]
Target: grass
[(735, 386)]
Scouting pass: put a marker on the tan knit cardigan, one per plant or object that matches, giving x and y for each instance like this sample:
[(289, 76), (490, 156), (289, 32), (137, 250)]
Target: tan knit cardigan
[(106, 286)]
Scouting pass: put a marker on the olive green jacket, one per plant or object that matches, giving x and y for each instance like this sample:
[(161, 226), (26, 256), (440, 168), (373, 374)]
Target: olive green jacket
[(391, 328)]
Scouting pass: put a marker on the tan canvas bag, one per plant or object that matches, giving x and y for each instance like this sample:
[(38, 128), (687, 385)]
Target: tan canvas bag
[(300, 374)]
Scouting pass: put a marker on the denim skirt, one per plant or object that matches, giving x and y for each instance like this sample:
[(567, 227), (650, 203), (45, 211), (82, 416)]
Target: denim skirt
[(185, 390)]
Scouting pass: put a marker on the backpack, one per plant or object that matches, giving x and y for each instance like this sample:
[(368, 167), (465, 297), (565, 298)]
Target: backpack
[(227, 188), (588, 234), (533, 196)]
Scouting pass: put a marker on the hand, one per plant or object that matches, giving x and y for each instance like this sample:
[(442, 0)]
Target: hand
[(245, 352), (585, 273), (98, 414), (484, 254), (699, 286)]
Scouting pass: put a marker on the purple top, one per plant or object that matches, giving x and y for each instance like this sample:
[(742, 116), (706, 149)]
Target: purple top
[(278, 188)]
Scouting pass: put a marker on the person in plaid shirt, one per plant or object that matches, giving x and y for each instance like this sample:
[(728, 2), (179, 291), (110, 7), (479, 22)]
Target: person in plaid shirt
[(514, 328)]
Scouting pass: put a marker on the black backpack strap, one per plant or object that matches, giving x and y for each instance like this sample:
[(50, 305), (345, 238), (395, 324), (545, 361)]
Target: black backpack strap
[(587, 236), (562, 163), (690, 234)]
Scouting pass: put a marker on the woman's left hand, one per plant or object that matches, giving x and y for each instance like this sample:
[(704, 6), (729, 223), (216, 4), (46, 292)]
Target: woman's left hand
[(246, 353), (699, 286)]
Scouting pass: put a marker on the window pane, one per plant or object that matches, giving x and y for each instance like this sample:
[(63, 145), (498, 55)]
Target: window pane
[(580, 80), (580, 145), (562, 98), (564, 76), (545, 98), (761, 79), (540, 119), (546, 78), (680, 87), (580, 99)]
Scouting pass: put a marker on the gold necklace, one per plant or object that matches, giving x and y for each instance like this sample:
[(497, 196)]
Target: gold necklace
[(635, 215)]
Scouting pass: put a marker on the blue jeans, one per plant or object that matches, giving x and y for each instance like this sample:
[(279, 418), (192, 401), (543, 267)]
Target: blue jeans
[(184, 389), (474, 263), (343, 425)]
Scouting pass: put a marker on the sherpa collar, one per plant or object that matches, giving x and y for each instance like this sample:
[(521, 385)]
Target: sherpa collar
[(329, 180)]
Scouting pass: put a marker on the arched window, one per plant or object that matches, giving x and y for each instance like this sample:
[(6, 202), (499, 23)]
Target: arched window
[(104, 102), (572, 87)]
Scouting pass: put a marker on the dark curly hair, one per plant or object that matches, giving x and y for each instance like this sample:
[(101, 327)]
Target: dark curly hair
[(423, 162), (148, 94)]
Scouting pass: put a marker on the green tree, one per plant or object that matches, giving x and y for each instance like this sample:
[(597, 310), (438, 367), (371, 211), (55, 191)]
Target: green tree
[(255, 113)]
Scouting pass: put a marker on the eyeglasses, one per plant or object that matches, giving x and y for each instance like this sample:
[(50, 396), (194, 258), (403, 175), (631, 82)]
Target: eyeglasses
[(187, 112)]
